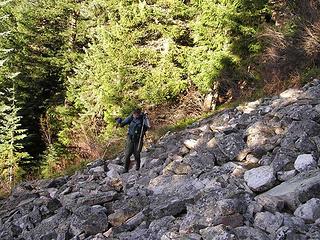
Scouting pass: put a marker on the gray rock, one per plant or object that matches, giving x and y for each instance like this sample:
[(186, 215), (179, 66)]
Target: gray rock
[(54, 226), (115, 167), (90, 220), (265, 160), (210, 212), (231, 145), (284, 157), (252, 209), (258, 134), (251, 159), (297, 224), (313, 232), (268, 222), (57, 183), (190, 143), (160, 226), (305, 144), (286, 175), (168, 206), (260, 179), (177, 167), (244, 233), (305, 162), (284, 233), (297, 190), (135, 221), (113, 174), (96, 199), (300, 128), (99, 169), (310, 211), (219, 232), (270, 203)]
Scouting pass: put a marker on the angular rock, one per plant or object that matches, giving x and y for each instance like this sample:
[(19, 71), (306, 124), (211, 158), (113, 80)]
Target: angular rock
[(286, 175), (270, 203), (57, 183), (115, 167), (244, 233), (268, 222), (305, 162), (310, 211), (178, 168), (120, 217), (90, 220), (234, 169), (168, 184), (251, 159), (210, 212), (297, 190), (283, 157), (190, 143), (258, 134), (300, 128), (162, 225), (99, 169), (260, 179), (219, 232), (305, 144), (285, 232), (55, 226), (231, 145), (97, 199), (165, 206), (265, 160)]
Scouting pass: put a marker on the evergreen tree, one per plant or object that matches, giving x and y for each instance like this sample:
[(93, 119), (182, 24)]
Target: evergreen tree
[(11, 137), (45, 37), (11, 134)]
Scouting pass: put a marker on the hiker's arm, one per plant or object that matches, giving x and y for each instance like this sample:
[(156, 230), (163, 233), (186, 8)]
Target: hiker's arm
[(126, 121)]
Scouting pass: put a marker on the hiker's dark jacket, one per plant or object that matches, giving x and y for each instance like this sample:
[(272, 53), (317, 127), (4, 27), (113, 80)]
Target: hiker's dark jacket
[(135, 125)]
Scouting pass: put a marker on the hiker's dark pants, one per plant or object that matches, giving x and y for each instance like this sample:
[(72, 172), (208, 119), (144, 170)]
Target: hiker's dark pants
[(132, 148)]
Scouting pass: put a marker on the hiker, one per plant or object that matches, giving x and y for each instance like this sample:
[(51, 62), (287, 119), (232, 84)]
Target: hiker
[(138, 125)]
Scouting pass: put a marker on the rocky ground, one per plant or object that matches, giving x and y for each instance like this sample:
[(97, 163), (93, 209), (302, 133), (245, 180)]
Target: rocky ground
[(246, 173)]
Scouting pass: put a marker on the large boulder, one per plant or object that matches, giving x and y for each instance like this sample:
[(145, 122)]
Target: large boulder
[(211, 212), (260, 179), (297, 190)]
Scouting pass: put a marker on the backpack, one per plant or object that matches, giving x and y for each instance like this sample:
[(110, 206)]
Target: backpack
[(136, 128)]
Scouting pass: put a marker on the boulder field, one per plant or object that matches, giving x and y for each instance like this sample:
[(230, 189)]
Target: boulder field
[(251, 172)]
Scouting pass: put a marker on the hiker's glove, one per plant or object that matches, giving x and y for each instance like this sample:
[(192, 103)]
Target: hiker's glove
[(119, 120)]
